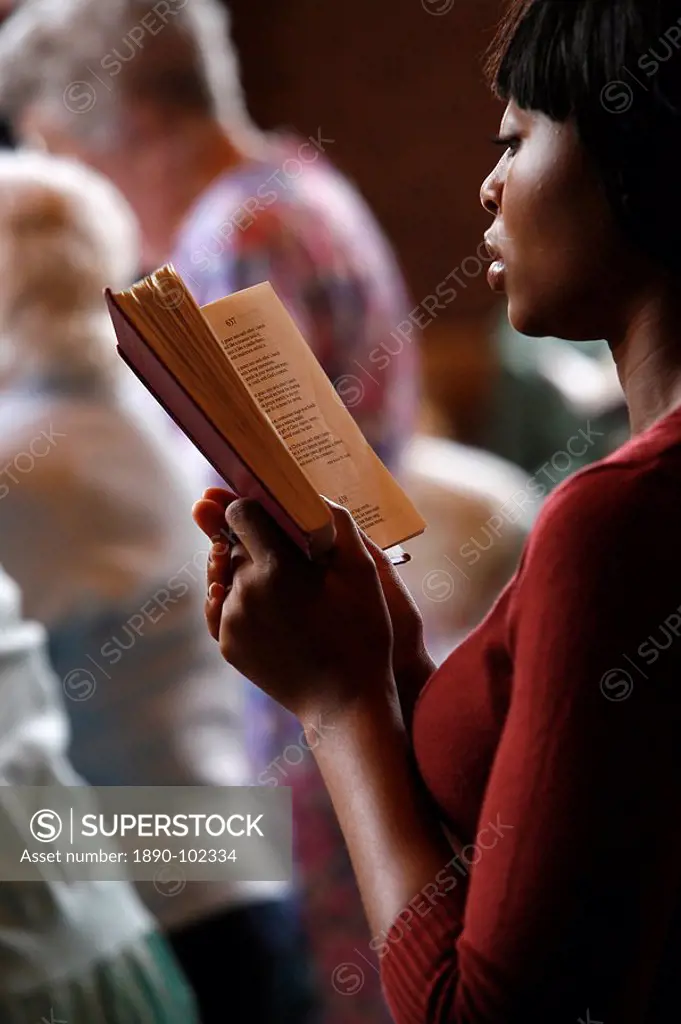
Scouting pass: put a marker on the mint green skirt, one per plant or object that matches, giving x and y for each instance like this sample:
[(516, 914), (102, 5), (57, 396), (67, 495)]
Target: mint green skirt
[(142, 984)]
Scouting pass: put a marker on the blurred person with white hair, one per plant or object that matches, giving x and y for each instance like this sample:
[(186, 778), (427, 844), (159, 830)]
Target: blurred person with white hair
[(149, 93), (71, 949), (113, 569)]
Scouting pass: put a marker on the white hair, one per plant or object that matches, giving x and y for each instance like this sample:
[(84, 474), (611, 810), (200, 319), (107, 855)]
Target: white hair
[(65, 234), (81, 59)]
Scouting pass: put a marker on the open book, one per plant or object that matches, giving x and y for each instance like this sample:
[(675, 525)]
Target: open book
[(240, 381)]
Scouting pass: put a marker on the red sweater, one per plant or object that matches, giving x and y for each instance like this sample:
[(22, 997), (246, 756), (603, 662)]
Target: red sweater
[(550, 741)]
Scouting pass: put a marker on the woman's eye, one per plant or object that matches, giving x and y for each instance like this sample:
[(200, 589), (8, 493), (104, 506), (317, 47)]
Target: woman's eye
[(511, 143)]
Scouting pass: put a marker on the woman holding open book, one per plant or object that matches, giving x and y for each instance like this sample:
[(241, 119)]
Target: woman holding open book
[(512, 818)]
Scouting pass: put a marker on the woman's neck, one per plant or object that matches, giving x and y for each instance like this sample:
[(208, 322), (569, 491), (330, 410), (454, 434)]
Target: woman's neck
[(648, 359), (73, 354), (191, 162)]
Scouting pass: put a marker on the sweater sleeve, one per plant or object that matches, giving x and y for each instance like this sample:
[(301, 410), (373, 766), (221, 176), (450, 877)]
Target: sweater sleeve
[(568, 893)]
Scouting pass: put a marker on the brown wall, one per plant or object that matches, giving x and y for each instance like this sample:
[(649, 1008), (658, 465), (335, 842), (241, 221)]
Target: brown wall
[(401, 92)]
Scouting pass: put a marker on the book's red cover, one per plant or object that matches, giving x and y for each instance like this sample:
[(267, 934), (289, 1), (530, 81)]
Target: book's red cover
[(193, 422)]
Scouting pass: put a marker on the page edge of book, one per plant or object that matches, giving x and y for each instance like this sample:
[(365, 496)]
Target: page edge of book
[(320, 539)]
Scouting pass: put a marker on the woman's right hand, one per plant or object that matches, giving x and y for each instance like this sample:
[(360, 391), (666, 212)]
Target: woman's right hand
[(412, 665)]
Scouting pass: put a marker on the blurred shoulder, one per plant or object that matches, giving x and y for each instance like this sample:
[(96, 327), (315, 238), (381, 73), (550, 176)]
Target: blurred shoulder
[(29, 430), (58, 441)]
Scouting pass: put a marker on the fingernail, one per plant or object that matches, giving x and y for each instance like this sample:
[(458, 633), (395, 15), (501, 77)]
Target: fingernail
[(215, 591)]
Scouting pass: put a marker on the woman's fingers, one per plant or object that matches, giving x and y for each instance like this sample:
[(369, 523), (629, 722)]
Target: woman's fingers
[(209, 511), (213, 610), (387, 572), (349, 539), (220, 567), (220, 495), (209, 516), (257, 532)]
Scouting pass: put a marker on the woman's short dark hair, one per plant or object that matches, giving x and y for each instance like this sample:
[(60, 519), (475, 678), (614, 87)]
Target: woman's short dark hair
[(615, 67)]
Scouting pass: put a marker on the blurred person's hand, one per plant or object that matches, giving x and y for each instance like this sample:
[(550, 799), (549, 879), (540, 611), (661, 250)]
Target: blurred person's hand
[(328, 626)]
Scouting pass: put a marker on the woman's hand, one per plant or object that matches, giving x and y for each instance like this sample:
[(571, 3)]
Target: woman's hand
[(412, 665), (314, 636)]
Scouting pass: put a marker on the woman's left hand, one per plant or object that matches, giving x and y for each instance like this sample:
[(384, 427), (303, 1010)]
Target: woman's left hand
[(315, 636)]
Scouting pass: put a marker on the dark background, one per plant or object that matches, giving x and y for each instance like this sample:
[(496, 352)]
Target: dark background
[(401, 91)]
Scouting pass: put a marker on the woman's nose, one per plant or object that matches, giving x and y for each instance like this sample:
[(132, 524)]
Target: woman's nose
[(490, 193)]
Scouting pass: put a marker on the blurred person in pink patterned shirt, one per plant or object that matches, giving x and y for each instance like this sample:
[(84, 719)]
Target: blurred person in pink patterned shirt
[(150, 94)]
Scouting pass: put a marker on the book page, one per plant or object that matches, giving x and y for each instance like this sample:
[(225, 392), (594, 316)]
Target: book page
[(266, 348), (177, 355)]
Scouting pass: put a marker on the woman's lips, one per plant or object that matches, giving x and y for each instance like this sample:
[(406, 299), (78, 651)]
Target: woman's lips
[(496, 272), (496, 276)]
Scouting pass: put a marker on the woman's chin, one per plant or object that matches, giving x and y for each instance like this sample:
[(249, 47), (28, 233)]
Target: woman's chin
[(558, 322), (527, 319)]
